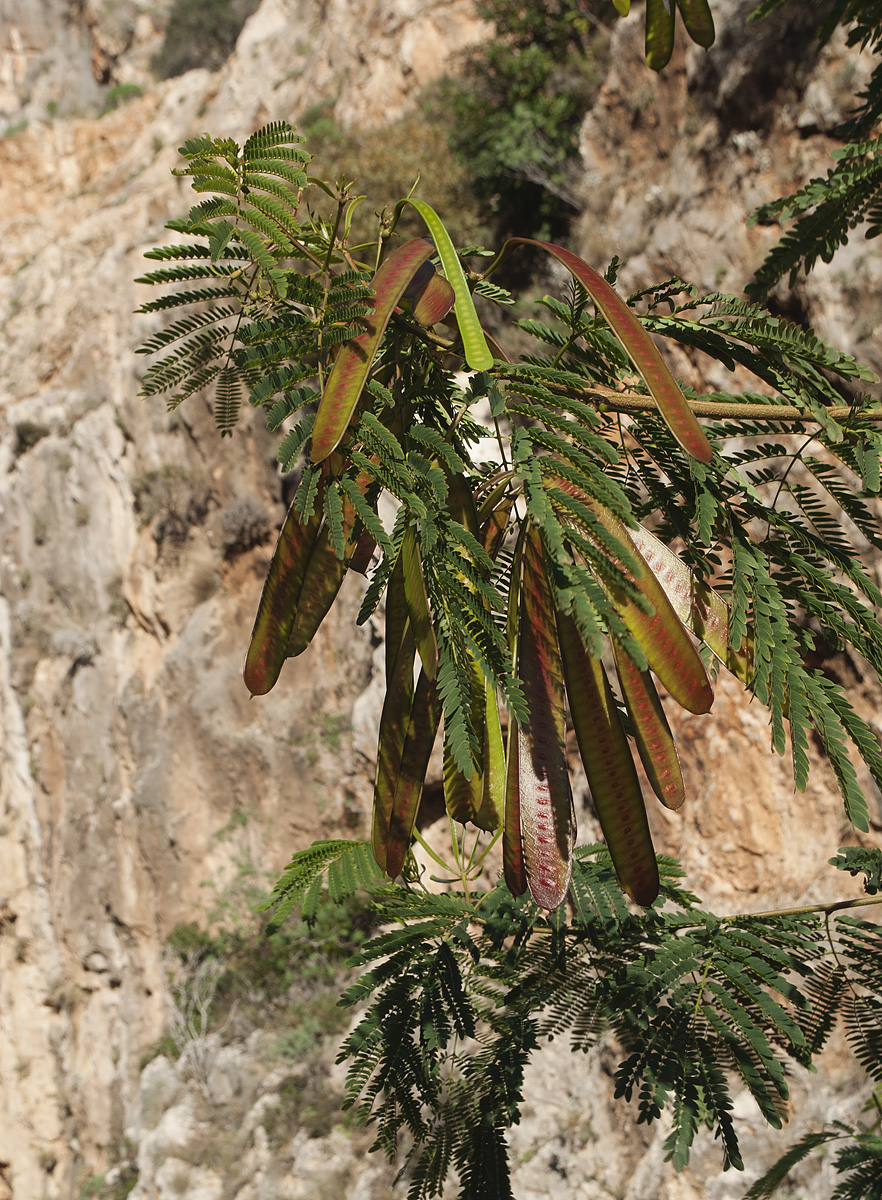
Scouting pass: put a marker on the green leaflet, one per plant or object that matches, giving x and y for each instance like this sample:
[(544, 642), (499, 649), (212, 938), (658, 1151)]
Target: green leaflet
[(622, 7), (422, 727), (477, 352), (547, 820), (352, 365), (394, 726), (698, 606), (279, 600), (608, 766), (418, 603), (652, 732), (698, 21), (659, 33), (645, 357)]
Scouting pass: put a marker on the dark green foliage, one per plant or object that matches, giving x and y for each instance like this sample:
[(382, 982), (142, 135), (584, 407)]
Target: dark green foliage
[(516, 103), (459, 992), (858, 860), (827, 210), (201, 33)]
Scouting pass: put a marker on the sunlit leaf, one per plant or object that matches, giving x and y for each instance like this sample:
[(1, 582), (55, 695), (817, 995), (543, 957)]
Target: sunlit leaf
[(698, 606)]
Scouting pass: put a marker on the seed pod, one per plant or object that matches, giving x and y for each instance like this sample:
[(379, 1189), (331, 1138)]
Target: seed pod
[(609, 767), (547, 820), (652, 733)]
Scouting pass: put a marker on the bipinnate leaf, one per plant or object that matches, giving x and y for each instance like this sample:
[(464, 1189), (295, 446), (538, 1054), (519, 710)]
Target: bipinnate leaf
[(664, 388), (652, 733), (352, 365), (548, 827), (609, 766), (698, 606), (476, 351), (659, 33), (698, 21), (418, 603), (661, 636), (281, 594), (419, 739)]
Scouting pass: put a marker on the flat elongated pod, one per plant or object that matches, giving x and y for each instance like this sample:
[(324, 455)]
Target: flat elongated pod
[(422, 727), (652, 733), (418, 603), (394, 724), (639, 345), (494, 526), (325, 573), (397, 617), (698, 21), (546, 811), (477, 353), (434, 301), (462, 797), (279, 600), (352, 364), (490, 811), (659, 33), (609, 767), (698, 606), (661, 636), (513, 868)]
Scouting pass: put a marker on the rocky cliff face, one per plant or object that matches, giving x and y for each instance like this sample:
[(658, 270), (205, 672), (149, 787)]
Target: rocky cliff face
[(133, 769)]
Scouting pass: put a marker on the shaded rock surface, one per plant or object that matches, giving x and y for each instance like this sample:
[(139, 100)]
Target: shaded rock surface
[(134, 770)]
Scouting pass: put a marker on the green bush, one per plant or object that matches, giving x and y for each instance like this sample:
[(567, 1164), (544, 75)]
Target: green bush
[(118, 95), (514, 111), (201, 33), (387, 161)]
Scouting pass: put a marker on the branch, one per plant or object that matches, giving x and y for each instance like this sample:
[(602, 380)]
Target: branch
[(609, 400)]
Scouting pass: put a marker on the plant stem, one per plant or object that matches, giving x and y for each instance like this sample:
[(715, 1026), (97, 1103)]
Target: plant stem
[(610, 400), (834, 906)]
